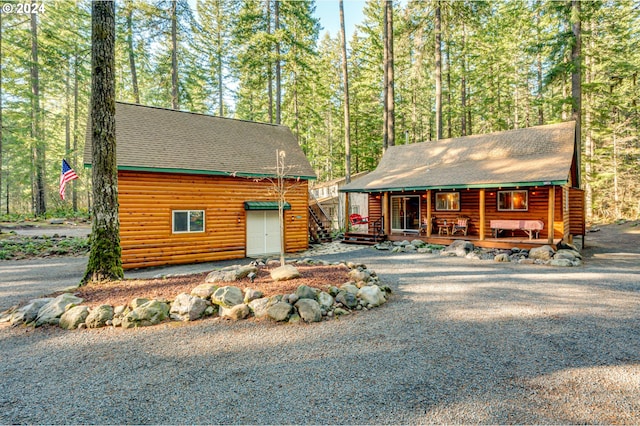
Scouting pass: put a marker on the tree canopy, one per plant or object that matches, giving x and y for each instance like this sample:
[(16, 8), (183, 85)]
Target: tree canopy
[(502, 65)]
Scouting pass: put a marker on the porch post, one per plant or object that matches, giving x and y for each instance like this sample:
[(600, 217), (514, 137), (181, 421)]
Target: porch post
[(482, 212), (385, 213), (551, 213), (429, 224), (347, 222)]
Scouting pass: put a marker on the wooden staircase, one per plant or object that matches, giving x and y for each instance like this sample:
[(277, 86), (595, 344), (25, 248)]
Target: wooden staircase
[(373, 236), (319, 228)]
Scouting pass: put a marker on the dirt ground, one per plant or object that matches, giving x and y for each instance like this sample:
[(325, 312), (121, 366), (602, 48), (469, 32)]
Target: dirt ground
[(619, 242)]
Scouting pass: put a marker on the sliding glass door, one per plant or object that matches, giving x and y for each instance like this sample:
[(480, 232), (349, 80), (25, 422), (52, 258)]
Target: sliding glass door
[(405, 213)]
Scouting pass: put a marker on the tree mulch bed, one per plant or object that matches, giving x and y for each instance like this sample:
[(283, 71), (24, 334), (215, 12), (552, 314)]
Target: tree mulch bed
[(122, 292)]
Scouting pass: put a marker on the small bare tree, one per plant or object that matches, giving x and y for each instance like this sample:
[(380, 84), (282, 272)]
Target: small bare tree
[(281, 184)]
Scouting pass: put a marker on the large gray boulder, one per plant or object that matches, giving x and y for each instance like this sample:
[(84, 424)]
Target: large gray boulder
[(137, 302), (227, 296), (284, 273), (204, 290), (358, 275), (349, 288), (252, 294), (259, 307), (279, 311), (309, 310), (502, 257), (151, 313), (458, 248), (347, 299), (418, 243), (545, 252), (230, 274), (72, 318), (560, 262), (51, 312), (235, 313), (567, 254), (372, 295), (325, 300), (28, 312), (187, 308), (221, 277), (305, 292), (98, 317)]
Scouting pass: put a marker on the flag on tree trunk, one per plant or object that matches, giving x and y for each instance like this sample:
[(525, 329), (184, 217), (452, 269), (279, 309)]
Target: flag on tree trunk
[(67, 176)]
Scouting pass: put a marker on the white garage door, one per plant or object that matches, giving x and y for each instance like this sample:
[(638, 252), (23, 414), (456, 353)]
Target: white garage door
[(263, 233)]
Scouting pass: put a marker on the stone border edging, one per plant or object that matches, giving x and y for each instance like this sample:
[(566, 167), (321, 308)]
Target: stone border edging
[(362, 292)]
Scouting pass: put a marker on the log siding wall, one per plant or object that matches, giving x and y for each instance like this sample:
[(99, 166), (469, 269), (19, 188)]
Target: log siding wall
[(148, 199)]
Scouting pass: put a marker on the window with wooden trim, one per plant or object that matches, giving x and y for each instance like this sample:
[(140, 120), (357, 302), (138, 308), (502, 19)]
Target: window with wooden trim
[(187, 221), (513, 201), (447, 201)]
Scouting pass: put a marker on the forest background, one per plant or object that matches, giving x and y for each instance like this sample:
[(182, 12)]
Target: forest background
[(503, 65)]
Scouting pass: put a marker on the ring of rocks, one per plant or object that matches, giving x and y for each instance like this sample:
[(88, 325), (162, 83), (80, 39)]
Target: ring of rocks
[(217, 296), (567, 255)]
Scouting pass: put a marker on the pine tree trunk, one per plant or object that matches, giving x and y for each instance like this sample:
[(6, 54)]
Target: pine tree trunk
[(347, 126), (270, 67), (345, 82), (389, 106), (105, 261), (449, 126), (175, 104), (67, 114), (132, 59), (74, 187), (438, 70), (1, 109), (278, 82), (539, 70), (588, 140), (385, 83), (463, 84), (576, 84), (219, 61), (38, 150)]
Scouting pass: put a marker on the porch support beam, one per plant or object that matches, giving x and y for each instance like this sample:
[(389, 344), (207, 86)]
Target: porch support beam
[(347, 222), (482, 214), (551, 213), (386, 214), (429, 224)]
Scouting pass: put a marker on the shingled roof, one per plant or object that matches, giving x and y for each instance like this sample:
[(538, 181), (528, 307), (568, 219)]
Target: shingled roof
[(540, 155), (163, 140)]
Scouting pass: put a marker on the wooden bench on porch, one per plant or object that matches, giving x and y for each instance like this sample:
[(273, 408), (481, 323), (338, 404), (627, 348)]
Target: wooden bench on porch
[(530, 227)]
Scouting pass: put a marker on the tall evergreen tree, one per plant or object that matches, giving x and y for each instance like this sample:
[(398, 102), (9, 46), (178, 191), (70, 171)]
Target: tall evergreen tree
[(105, 262)]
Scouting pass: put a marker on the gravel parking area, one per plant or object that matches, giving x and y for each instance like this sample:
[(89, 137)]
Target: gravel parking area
[(459, 342)]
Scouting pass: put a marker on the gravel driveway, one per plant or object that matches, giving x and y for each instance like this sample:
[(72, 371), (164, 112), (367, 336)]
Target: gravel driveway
[(460, 342)]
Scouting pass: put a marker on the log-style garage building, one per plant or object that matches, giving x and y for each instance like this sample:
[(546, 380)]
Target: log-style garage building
[(198, 188)]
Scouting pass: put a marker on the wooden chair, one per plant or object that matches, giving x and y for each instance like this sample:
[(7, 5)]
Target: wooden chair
[(462, 226)]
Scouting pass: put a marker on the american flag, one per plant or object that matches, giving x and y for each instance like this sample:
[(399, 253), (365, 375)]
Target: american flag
[(67, 176)]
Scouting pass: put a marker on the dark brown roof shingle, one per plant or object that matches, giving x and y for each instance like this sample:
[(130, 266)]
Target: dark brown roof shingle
[(150, 138), (531, 155)]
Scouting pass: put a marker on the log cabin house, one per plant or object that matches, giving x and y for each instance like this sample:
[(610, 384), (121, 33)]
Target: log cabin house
[(516, 187), (197, 188)]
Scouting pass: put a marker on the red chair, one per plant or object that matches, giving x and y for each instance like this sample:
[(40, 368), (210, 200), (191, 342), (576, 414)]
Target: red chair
[(356, 219)]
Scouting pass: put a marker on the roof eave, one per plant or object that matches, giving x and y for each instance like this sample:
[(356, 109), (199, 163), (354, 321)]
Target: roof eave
[(459, 186), (205, 172)]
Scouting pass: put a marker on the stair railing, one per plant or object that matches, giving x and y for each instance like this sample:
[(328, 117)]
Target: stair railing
[(319, 215), (378, 228)]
